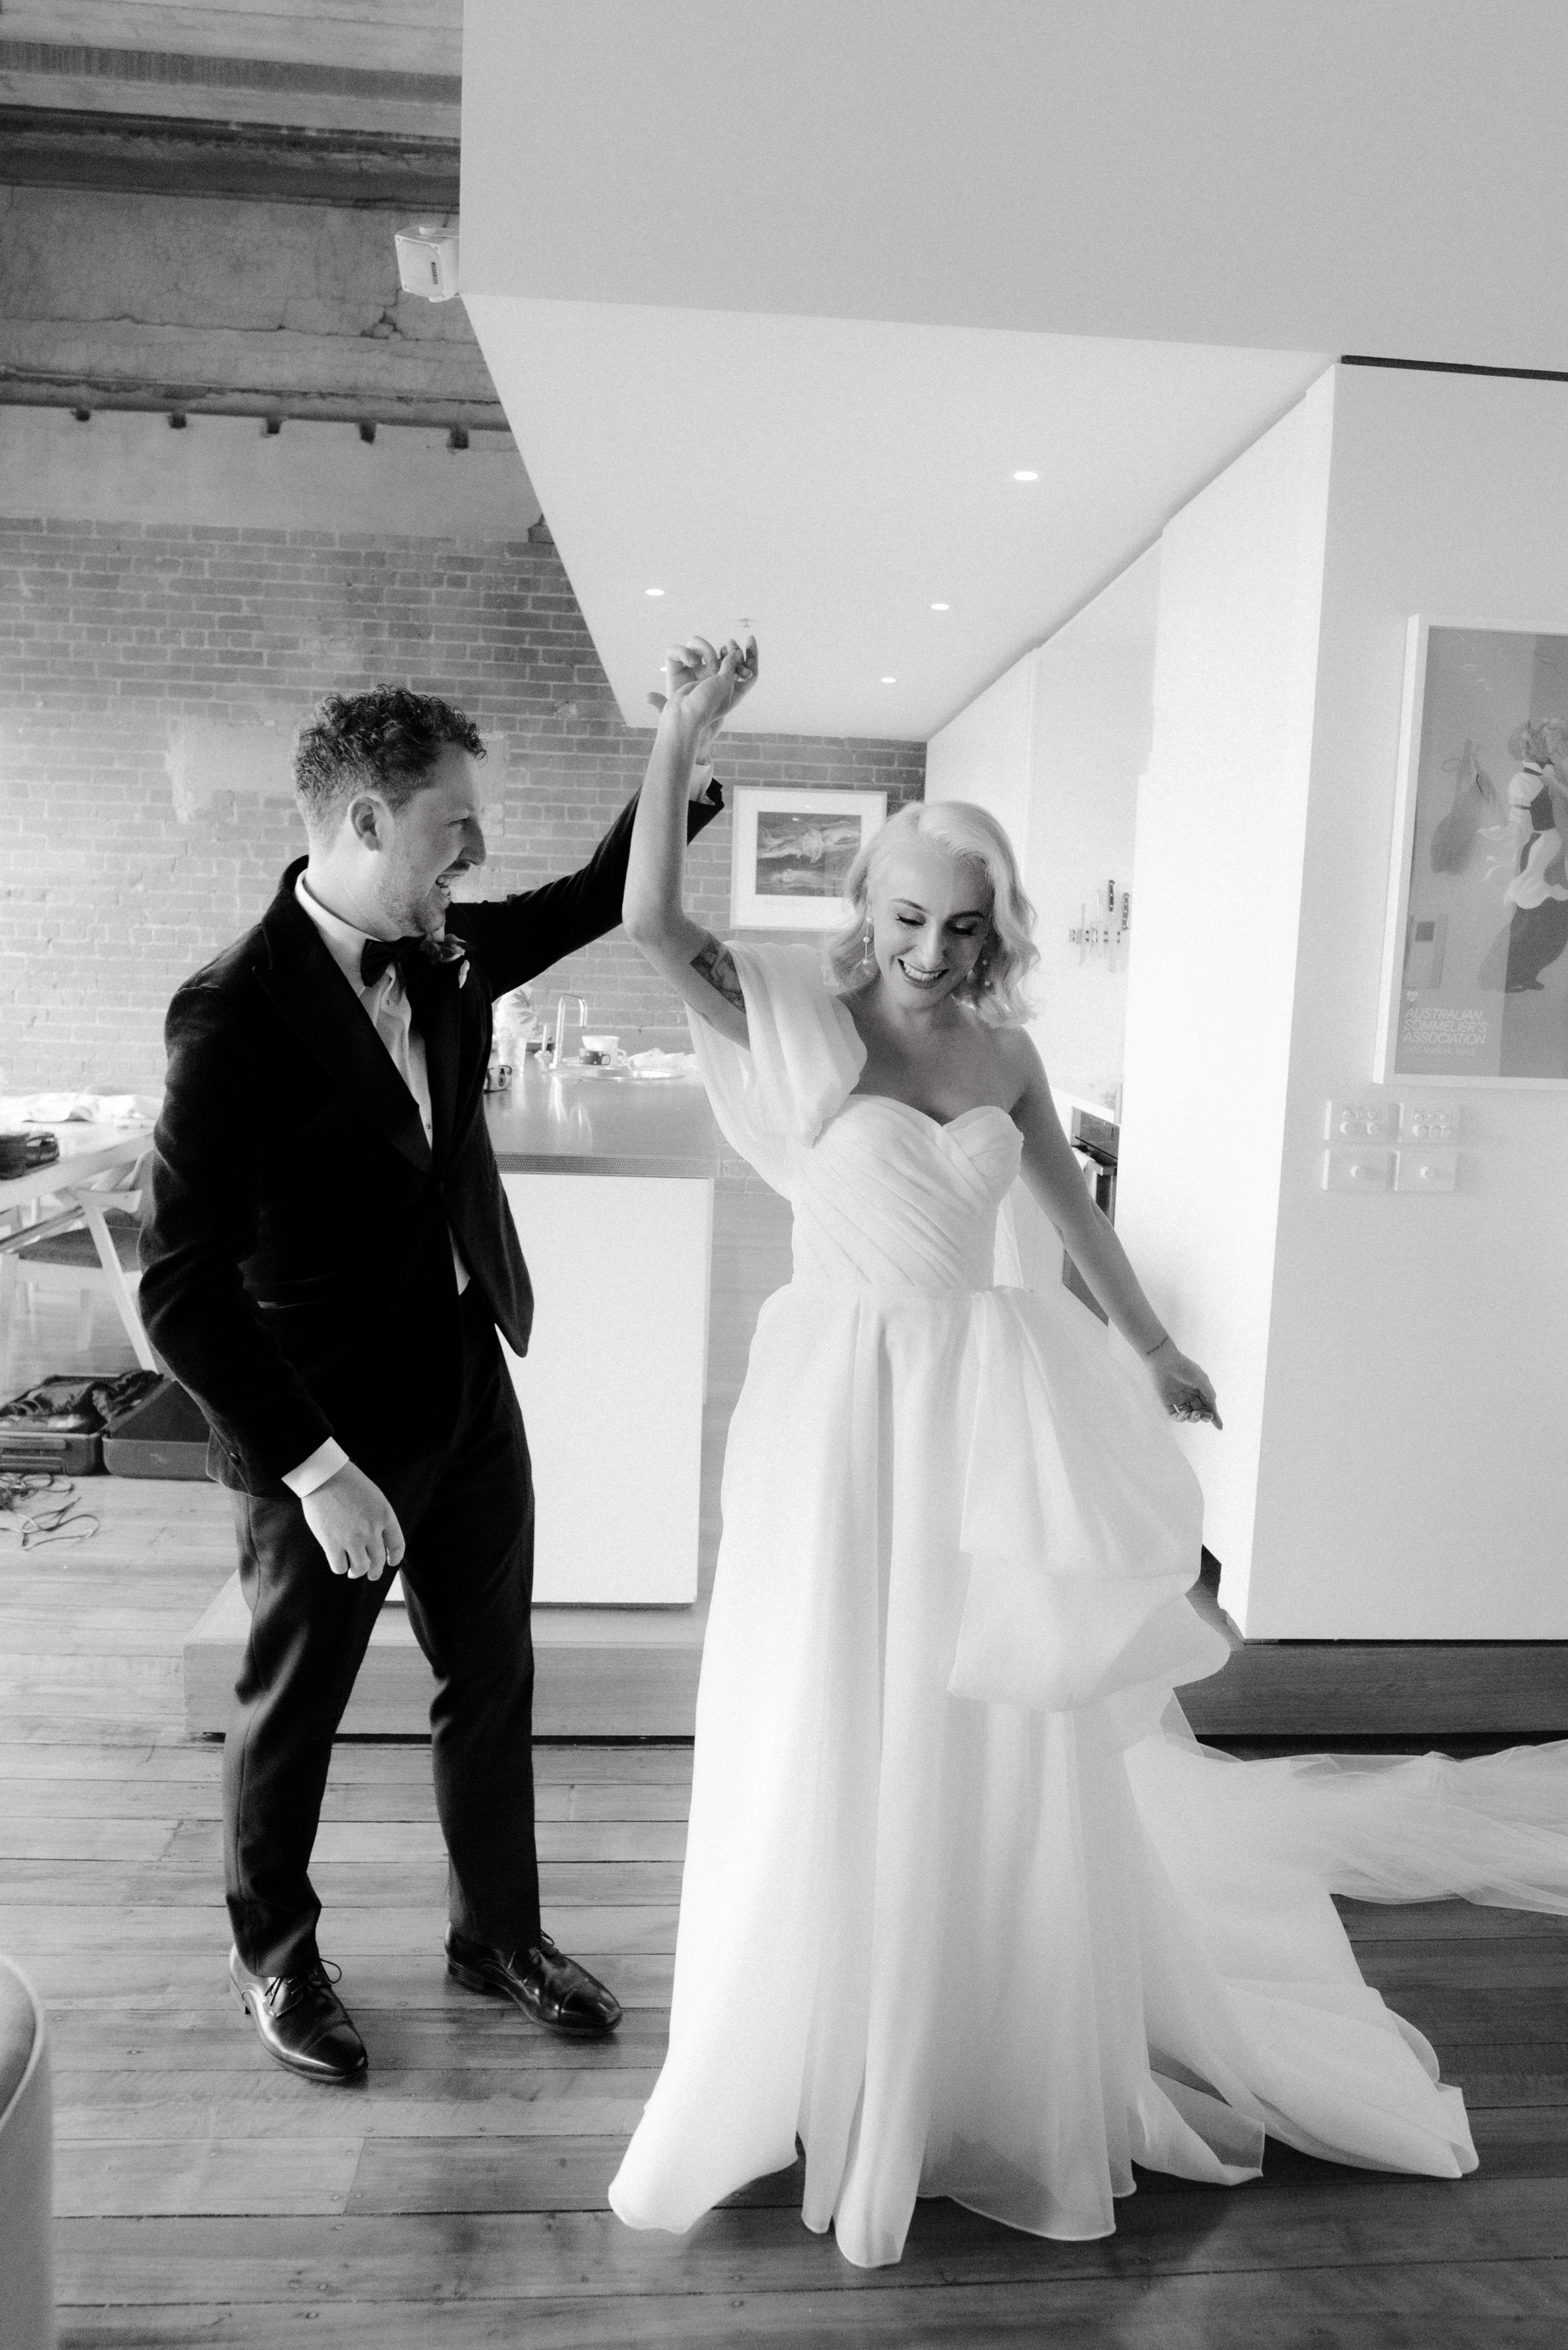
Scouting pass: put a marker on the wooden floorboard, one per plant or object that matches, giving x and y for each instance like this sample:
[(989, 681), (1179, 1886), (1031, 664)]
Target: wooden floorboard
[(1214, 2315), (456, 2197), (1411, 2226)]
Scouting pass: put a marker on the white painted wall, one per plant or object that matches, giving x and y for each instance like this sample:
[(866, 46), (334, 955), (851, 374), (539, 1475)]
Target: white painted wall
[(1211, 976), (984, 753), (1092, 725), (1388, 1367), (1411, 1480)]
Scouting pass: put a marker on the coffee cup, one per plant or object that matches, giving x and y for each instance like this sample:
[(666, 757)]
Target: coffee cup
[(599, 1052)]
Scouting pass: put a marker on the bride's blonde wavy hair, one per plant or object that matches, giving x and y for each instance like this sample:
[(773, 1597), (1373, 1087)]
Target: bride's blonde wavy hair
[(996, 987)]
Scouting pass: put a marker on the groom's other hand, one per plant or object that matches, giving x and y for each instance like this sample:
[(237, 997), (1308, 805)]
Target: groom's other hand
[(355, 1523)]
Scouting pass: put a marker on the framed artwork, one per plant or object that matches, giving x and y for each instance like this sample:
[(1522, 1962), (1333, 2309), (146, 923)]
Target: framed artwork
[(792, 852), (1475, 962)]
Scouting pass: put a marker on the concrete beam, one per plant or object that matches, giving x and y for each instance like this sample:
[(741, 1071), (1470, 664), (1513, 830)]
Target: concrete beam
[(106, 80), (225, 304), (279, 163), (406, 35)]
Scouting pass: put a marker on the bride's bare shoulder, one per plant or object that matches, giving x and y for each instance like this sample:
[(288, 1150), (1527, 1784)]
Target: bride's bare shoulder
[(1004, 1059), (1016, 1060), (1011, 1045)]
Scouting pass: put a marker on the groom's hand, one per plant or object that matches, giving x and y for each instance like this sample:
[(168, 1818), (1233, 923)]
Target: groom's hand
[(355, 1523)]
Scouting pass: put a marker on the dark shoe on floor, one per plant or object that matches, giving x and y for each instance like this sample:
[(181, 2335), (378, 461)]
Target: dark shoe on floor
[(301, 2021), (546, 1984)]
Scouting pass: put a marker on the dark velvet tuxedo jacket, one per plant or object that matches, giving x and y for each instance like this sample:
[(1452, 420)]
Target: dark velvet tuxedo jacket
[(296, 1265)]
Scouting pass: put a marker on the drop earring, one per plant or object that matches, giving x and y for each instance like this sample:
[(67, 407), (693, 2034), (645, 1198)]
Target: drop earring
[(867, 950)]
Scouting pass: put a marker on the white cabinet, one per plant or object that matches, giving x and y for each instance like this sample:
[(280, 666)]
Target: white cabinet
[(612, 1386)]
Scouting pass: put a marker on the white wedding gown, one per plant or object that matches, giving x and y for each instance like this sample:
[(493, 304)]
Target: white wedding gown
[(965, 1908)]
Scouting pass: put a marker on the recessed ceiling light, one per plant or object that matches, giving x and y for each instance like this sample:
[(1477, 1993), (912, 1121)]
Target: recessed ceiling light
[(1027, 476), (942, 608), (653, 591), (889, 681)]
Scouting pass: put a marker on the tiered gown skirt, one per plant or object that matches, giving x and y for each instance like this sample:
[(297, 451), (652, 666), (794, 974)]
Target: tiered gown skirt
[(965, 1909)]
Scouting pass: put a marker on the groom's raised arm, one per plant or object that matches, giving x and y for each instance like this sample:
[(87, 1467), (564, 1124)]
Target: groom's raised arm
[(511, 940)]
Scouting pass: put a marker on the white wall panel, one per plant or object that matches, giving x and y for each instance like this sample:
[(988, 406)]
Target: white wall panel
[(612, 1386)]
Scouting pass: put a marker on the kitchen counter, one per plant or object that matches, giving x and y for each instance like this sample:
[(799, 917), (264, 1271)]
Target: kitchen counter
[(610, 1181), (594, 1124)]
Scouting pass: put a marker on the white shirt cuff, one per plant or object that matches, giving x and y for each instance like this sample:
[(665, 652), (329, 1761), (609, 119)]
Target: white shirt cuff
[(324, 1463)]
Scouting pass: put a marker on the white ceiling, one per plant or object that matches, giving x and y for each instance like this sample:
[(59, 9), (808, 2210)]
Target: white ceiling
[(1377, 176), (830, 478), (778, 298)]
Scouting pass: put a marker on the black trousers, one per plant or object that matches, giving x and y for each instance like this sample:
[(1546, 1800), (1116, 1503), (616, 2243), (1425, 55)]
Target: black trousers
[(467, 1515)]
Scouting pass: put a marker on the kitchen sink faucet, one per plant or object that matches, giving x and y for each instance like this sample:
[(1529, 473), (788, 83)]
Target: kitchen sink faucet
[(561, 1003)]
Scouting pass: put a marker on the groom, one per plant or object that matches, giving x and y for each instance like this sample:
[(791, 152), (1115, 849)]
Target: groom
[(329, 1259)]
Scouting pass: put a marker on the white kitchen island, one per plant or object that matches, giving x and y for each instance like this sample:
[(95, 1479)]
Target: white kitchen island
[(610, 1183)]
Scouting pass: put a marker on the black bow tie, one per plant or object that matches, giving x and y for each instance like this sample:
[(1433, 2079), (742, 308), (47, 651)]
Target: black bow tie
[(379, 955)]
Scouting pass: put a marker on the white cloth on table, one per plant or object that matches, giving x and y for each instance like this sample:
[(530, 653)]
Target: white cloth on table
[(965, 1908), (71, 1110)]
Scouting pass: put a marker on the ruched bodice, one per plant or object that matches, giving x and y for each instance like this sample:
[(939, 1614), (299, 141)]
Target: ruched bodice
[(889, 1200)]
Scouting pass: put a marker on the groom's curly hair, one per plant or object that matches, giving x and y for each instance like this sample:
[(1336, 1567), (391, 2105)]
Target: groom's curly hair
[(388, 738)]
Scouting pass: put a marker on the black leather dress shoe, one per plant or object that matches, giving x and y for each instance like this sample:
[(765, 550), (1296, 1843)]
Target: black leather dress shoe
[(301, 2021), (543, 1982)]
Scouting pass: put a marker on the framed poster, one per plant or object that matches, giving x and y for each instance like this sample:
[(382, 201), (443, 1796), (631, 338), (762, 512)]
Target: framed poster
[(1475, 960), (792, 852)]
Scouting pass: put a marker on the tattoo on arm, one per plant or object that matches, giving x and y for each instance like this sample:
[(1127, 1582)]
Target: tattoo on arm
[(715, 963)]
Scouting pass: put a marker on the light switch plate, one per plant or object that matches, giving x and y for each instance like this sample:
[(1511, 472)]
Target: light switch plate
[(1431, 1121), (1358, 1171), (1363, 1120), (1418, 1169)]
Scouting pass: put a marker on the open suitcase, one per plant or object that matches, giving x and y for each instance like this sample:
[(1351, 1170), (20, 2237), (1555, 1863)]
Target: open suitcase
[(161, 1434), (135, 1423)]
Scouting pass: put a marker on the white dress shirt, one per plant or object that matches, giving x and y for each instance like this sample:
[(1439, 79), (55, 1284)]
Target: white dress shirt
[(387, 1007)]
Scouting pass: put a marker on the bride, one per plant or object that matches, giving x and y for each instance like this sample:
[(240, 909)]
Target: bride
[(966, 1911)]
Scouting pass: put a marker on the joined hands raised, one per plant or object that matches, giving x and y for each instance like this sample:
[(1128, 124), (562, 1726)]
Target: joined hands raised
[(704, 687)]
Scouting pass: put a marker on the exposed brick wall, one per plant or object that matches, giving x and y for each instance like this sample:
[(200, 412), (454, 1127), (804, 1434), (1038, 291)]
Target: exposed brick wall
[(117, 641)]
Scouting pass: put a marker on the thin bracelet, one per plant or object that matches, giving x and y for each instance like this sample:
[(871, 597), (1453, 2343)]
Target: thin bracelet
[(1158, 1343)]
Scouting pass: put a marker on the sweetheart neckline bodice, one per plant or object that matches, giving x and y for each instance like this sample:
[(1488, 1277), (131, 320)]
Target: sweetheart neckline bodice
[(941, 1125)]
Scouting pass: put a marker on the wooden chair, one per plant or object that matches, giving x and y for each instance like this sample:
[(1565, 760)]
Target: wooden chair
[(68, 1254)]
